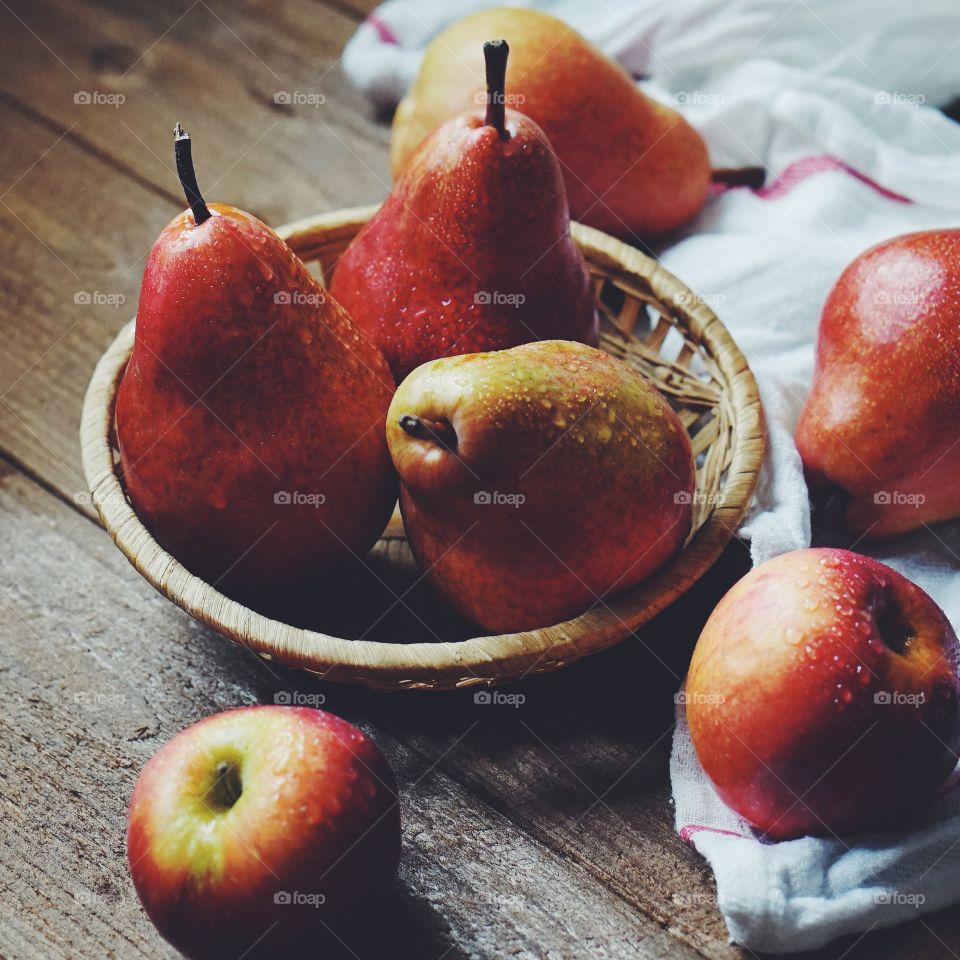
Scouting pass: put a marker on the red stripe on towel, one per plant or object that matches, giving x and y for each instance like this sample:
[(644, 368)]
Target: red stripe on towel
[(385, 34), (687, 832), (800, 170)]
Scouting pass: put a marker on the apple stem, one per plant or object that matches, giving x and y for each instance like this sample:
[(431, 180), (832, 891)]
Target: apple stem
[(439, 431), (495, 53), (188, 177), (227, 788)]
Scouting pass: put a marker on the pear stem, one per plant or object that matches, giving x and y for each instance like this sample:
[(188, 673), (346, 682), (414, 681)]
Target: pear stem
[(752, 177), (188, 178), (438, 431), (495, 53)]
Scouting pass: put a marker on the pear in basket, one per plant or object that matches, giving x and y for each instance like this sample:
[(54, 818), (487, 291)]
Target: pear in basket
[(882, 421), (538, 481), (472, 249), (250, 418), (632, 166)]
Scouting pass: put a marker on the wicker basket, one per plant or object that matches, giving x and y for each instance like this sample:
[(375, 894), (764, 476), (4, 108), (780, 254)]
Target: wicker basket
[(648, 318)]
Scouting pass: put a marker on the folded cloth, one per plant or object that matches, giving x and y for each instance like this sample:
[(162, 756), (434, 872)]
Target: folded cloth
[(834, 98)]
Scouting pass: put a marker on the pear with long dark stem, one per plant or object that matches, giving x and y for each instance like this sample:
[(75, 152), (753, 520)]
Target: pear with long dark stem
[(472, 250), (248, 414)]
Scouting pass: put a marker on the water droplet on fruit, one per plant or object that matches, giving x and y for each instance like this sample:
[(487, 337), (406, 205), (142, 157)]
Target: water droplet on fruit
[(792, 635), (811, 651), (845, 693), (804, 584), (810, 604)]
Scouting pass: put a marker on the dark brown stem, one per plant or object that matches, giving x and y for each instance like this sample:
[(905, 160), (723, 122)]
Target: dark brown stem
[(188, 177), (740, 176), (495, 52), (437, 431)]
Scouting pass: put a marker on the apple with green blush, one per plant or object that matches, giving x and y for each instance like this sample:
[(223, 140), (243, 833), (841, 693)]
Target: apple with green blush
[(261, 829)]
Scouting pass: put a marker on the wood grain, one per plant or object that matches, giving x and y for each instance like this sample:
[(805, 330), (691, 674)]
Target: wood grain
[(508, 851), (99, 671)]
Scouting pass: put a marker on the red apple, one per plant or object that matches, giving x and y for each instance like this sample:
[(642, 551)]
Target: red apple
[(822, 696), (258, 829)]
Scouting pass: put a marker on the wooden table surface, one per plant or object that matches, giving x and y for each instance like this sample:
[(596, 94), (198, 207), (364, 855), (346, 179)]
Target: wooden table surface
[(543, 830)]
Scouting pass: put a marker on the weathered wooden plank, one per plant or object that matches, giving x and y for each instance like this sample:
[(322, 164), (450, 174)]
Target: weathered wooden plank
[(97, 671), (67, 240), (277, 127)]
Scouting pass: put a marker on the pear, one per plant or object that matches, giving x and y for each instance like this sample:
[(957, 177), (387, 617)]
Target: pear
[(472, 249), (250, 418), (632, 166), (882, 419), (538, 481)]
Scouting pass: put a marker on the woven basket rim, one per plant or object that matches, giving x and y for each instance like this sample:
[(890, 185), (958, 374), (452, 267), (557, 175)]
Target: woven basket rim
[(480, 659)]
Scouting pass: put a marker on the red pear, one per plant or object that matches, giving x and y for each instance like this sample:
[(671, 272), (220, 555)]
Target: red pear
[(251, 415), (882, 421), (538, 481), (472, 249)]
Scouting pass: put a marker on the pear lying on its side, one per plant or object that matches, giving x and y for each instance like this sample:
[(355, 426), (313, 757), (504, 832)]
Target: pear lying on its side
[(538, 481), (632, 166), (882, 420)]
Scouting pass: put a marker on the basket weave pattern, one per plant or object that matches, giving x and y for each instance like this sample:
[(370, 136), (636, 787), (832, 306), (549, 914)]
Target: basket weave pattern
[(651, 321)]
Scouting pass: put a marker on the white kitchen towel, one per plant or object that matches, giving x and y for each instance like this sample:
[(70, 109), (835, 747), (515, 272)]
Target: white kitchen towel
[(835, 98)]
